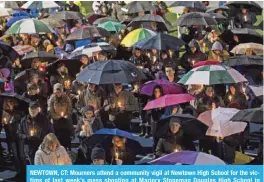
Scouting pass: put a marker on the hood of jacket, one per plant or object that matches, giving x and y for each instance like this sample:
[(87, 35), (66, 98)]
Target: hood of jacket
[(194, 43), (217, 46)]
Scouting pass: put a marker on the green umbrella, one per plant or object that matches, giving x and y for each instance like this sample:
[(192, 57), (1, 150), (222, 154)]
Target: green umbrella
[(112, 26)]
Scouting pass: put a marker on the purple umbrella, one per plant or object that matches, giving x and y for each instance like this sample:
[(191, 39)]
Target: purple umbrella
[(167, 87), (188, 157)]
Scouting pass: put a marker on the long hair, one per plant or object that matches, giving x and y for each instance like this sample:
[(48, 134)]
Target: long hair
[(49, 140), (161, 91)]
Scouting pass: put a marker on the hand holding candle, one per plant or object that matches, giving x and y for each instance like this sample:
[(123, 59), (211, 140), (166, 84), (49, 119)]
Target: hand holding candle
[(116, 155), (230, 98)]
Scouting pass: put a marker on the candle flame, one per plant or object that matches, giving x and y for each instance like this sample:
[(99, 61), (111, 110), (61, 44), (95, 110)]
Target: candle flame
[(119, 104), (230, 97), (62, 114), (116, 154)]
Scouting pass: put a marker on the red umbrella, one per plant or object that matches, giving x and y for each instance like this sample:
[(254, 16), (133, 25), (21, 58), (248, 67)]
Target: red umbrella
[(169, 100), (206, 62)]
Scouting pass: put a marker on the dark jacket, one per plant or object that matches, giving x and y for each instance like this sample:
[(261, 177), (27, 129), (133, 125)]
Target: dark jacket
[(246, 20), (74, 8), (239, 98), (140, 61), (127, 156)]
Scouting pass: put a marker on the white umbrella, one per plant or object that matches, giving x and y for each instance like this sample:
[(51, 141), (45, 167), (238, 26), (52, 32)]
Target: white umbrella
[(241, 48), (9, 4), (40, 5), (258, 91), (4, 12)]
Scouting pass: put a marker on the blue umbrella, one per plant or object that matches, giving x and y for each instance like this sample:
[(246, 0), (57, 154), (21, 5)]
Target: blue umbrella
[(15, 19), (116, 132), (20, 13)]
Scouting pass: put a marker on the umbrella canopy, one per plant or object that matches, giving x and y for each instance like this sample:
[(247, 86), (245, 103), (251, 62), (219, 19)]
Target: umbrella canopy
[(207, 62), (140, 20), (197, 5), (29, 26), (218, 17), (136, 35), (215, 9), (42, 55), (191, 127), (189, 158), (112, 26), (22, 102), (92, 18), (89, 32), (9, 4), (247, 4), (109, 72), (258, 91), (245, 35), (217, 115), (211, 75), (241, 48), (195, 18), (160, 41), (4, 12), (23, 49), (167, 87), (138, 6), (13, 20), (66, 15), (168, 100), (90, 49), (40, 5), (244, 60), (73, 66), (250, 115), (8, 51), (53, 22), (104, 19)]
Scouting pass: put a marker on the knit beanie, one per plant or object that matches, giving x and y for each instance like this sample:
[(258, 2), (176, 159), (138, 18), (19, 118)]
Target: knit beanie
[(98, 152)]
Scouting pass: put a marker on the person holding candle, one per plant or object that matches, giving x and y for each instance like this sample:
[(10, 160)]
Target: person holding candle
[(234, 95), (246, 19), (51, 152), (60, 110), (32, 130), (60, 75), (139, 59), (217, 52)]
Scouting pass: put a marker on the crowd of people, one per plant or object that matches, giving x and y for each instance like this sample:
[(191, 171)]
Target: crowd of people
[(43, 110)]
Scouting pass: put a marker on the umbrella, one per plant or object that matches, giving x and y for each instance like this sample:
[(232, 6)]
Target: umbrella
[(168, 100), (223, 129), (211, 75), (42, 55), (13, 20), (104, 19), (29, 26), (195, 18), (53, 22), (241, 48), (244, 60), (241, 158), (250, 115), (140, 20), (190, 4), (160, 41), (217, 115), (136, 35), (23, 49), (8, 51), (92, 18), (138, 6), (89, 32), (4, 12), (9, 4), (40, 5), (22, 102), (167, 87), (188, 157), (89, 49), (218, 17), (245, 35), (192, 127), (214, 10), (247, 4), (109, 72), (207, 62), (66, 15), (73, 66), (258, 91), (112, 26)]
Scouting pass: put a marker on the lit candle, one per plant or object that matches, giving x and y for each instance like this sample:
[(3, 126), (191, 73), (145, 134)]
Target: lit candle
[(119, 104), (154, 59), (193, 62), (5, 120), (39, 109), (245, 17), (176, 150), (37, 90), (230, 98), (31, 132), (41, 69), (62, 114), (244, 89), (116, 154), (79, 92)]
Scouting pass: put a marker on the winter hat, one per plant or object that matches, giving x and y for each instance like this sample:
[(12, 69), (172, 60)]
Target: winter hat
[(98, 152), (174, 120), (87, 108), (33, 105), (46, 42), (217, 46), (57, 87)]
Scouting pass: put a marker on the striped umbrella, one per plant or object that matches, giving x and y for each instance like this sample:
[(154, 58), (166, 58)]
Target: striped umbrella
[(23, 49), (211, 75), (137, 35), (40, 5), (29, 26)]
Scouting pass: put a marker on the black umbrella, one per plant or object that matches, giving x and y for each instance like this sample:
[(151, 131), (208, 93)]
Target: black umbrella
[(251, 5), (22, 103), (196, 18), (245, 35), (191, 127), (110, 71), (214, 10), (138, 6), (89, 32), (243, 60), (250, 115), (92, 18), (7, 50), (104, 19), (66, 15), (140, 20), (160, 41), (218, 17), (197, 5), (73, 66)]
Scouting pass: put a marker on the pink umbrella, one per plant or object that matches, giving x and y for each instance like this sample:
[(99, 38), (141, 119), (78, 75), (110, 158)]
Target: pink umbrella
[(23, 49), (207, 62), (169, 100)]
